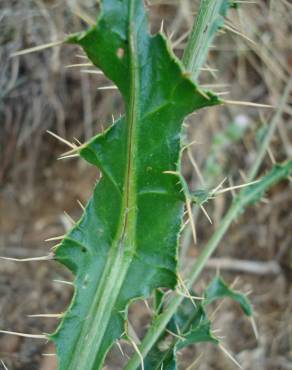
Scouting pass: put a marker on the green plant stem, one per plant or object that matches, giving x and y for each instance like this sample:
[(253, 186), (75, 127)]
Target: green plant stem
[(162, 320), (202, 35)]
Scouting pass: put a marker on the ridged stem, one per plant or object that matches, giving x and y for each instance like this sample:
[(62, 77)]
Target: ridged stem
[(208, 21)]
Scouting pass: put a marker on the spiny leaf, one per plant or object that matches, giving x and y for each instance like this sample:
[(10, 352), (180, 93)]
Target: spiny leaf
[(199, 330), (189, 326), (125, 244), (219, 289), (192, 325)]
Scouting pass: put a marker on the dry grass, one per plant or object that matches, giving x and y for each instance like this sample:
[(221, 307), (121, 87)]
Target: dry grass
[(38, 93)]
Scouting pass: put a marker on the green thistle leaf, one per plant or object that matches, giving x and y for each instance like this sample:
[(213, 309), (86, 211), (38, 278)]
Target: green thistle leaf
[(125, 244)]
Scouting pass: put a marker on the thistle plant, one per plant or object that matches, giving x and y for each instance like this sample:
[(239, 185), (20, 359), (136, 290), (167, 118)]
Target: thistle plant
[(125, 246)]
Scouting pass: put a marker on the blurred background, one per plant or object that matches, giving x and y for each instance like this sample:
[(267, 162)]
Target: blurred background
[(251, 60)]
